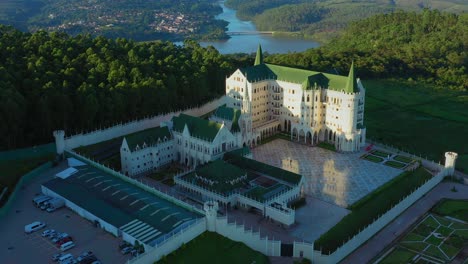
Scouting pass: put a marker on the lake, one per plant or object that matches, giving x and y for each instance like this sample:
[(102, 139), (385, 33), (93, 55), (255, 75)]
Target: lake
[(249, 43)]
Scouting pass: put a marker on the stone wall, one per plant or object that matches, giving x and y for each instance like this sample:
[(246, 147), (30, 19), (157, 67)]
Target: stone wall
[(119, 130)]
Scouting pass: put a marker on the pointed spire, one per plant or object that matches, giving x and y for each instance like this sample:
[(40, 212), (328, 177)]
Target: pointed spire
[(259, 57), (351, 83)]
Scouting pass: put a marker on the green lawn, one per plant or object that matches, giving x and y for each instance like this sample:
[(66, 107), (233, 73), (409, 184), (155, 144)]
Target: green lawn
[(395, 164), (326, 145), (210, 248), (399, 255), (408, 116), (403, 159), (454, 208), (380, 153), (373, 158), (370, 207)]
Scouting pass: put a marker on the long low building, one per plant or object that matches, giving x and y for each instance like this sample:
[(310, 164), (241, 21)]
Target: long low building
[(120, 207)]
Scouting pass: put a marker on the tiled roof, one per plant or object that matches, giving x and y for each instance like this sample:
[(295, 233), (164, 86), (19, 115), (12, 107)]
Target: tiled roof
[(306, 78), (263, 168), (231, 114), (198, 127), (220, 170), (149, 136)]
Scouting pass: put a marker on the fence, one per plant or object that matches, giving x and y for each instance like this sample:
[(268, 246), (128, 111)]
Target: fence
[(24, 180), (426, 163), (378, 224), (136, 183), (252, 239), (100, 135), (172, 243)]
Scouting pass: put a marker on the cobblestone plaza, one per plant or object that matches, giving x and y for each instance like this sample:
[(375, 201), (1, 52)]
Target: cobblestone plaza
[(338, 178)]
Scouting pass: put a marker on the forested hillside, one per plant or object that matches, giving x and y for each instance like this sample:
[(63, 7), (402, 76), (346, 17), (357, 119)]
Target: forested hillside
[(54, 81), (429, 46), (324, 19)]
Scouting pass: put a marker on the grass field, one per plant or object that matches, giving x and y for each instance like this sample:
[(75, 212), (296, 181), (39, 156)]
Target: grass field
[(370, 207), (454, 208), (380, 153), (373, 158), (403, 159), (398, 255), (12, 170), (419, 119), (213, 248)]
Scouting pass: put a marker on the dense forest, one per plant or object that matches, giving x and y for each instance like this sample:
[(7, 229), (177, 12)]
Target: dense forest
[(324, 19), (428, 46), (54, 81)]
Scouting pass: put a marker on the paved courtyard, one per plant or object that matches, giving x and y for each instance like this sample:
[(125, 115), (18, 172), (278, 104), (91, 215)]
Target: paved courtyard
[(337, 178)]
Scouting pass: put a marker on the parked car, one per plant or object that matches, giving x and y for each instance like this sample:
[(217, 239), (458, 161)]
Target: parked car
[(84, 255), (33, 227), (88, 260), (47, 232), (57, 256), (65, 258), (123, 245), (63, 241), (59, 236), (126, 250), (67, 245), (54, 204)]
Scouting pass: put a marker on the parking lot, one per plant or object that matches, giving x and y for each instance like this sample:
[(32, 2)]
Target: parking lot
[(18, 247)]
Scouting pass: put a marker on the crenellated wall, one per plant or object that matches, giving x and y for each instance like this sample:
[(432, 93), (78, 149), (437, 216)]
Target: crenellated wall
[(119, 130)]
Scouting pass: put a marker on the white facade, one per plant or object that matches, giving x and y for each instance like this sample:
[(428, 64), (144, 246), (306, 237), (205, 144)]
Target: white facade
[(146, 158), (311, 113), (194, 151)]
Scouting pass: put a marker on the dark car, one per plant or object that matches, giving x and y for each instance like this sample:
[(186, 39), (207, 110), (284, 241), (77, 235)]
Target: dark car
[(63, 240), (88, 260)]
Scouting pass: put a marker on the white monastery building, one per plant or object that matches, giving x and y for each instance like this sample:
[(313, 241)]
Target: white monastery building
[(312, 106), (262, 100)]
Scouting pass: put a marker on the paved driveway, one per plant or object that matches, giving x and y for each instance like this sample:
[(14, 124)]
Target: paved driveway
[(338, 178)]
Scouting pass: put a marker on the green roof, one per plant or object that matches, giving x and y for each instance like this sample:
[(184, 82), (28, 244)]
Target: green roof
[(221, 173), (119, 202), (262, 168), (220, 170), (149, 136), (198, 127), (231, 114), (308, 79), (259, 56)]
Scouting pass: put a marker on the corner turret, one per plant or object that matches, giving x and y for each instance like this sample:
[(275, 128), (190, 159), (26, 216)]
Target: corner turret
[(59, 142), (259, 57)]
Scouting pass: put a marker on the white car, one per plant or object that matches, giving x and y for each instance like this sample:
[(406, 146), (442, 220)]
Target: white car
[(33, 227), (48, 232)]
